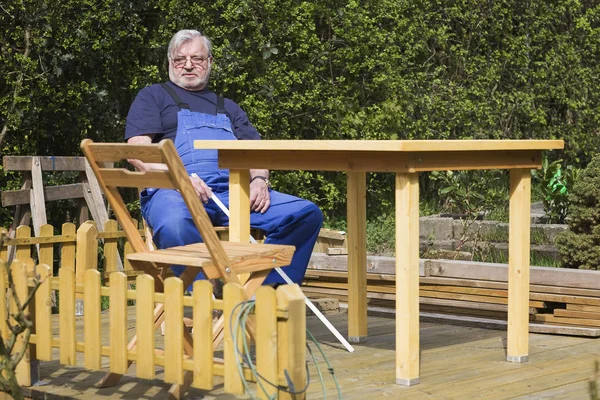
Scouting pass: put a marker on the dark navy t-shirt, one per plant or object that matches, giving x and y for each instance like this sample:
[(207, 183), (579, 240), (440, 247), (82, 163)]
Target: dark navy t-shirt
[(155, 112)]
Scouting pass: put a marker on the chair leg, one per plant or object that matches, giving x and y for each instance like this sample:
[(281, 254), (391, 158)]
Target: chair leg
[(252, 284)]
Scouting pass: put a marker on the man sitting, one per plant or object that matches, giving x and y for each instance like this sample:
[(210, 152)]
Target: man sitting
[(184, 110)]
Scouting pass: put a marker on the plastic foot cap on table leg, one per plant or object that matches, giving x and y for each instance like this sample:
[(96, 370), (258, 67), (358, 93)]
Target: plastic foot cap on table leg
[(407, 382), (357, 339), (517, 359)]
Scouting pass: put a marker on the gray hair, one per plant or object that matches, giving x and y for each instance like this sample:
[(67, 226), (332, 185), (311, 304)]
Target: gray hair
[(185, 35)]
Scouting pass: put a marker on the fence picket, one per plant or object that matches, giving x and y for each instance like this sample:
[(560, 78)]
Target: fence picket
[(67, 316), (266, 340), (91, 320), (23, 252), (46, 255), (118, 323), (3, 292), (144, 285), (174, 330), (87, 250), (111, 252), (203, 343), (4, 249), (233, 294), (19, 276), (43, 311), (67, 252), (290, 333)]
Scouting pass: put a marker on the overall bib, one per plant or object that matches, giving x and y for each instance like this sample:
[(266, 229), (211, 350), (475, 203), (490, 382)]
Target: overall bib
[(289, 220)]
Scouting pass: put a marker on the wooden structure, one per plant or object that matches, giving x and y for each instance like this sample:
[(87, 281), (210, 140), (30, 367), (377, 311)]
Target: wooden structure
[(406, 159), (280, 330), (30, 200), (215, 259), (561, 301)]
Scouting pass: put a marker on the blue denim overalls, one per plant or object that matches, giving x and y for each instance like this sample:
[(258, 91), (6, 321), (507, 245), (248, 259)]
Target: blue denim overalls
[(289, 220)]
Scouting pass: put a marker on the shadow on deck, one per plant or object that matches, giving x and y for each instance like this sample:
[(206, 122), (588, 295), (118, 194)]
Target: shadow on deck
[(457, 362)]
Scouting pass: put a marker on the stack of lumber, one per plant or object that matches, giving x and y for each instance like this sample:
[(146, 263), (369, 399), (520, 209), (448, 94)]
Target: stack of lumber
[(561, 301)]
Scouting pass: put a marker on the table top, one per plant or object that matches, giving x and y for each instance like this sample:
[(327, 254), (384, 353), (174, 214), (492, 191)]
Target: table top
[(399, 156), (379, 145)]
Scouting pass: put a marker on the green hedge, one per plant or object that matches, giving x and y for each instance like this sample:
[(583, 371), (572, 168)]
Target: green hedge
[(387, 69)]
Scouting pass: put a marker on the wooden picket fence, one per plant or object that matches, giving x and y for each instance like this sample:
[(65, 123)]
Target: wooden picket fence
[(279, 319)]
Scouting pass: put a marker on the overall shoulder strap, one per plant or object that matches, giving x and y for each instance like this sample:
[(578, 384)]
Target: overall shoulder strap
[(172, 93), (221, 107)]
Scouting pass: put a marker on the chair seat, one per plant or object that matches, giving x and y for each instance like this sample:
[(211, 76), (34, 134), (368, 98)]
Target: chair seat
[(243, 257)]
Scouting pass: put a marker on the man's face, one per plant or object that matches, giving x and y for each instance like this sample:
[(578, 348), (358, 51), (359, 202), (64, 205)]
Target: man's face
[(190, 65)]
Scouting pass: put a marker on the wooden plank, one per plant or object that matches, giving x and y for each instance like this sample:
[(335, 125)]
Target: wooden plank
[(325, 147), (203, 339), (174, 331), (111, 251), (43, 313), (233, 294), (113, 152), (46, 255), (145, 367), (374, 265), (66, 307), (357, 256), (3, 296), (118, 323), (583, 307), (566, 321), (431, 280), (407, 279), (49, 163), (573, 278), (239, 206), (377, 161), (67, 256), (51, 193), (292, 337), (23, 252), (87, 251), (42, 240), (125, 178), (19, 276), (577, 314), (91, 322), (36, 198), (592, 301), (266, 344)]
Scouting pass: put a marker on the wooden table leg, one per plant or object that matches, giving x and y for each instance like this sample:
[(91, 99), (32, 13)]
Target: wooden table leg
[(518, 266), (357, 256), (239, 209), (407, 279)]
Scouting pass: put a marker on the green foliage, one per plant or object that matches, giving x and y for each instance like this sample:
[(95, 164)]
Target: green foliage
[(579, 247), (385, 69), (471, 192), (552, 184)]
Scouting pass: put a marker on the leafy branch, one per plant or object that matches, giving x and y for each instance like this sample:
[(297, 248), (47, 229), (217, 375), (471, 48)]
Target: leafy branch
[(18, 323)]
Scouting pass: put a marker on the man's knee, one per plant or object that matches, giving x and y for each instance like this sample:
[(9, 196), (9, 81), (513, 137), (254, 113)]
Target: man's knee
[(312, 215), (175, 228)]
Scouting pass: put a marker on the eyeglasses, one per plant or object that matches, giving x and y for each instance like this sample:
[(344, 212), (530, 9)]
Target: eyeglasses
[(196, 61)]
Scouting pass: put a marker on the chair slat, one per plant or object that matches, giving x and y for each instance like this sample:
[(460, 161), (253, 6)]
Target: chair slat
[(113, 152), (125, 178)]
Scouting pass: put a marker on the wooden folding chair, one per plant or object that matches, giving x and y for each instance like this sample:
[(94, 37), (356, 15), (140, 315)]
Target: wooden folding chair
[(215, 259)]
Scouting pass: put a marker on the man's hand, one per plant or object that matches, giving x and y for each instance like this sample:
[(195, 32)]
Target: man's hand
[(203, 191), (260, 199)]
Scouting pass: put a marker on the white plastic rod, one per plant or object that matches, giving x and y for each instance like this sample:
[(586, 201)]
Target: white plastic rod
[(287, 279)]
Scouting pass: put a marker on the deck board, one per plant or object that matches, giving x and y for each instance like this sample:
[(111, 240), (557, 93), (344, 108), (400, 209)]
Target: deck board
[(457, 362)]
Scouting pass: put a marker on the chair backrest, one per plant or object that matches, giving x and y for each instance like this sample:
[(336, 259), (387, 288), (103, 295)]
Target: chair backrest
[(174, 177)]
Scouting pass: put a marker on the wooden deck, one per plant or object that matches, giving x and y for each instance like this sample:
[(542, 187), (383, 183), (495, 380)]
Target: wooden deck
[(457, 362)]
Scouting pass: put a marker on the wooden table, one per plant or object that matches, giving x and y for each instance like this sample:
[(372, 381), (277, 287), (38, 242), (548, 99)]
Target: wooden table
[(406, 159)]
